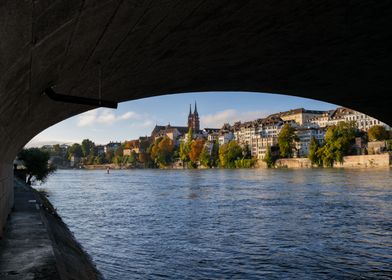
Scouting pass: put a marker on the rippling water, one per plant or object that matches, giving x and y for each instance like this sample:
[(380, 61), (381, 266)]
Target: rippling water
[(220, 224)]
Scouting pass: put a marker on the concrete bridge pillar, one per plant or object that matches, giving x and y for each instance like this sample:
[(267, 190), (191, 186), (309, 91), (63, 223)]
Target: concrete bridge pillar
[(6, 192)]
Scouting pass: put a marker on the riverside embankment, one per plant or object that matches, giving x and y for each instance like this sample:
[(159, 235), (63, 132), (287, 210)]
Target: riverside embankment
[(38, 245), (360, 161), (357, 161)]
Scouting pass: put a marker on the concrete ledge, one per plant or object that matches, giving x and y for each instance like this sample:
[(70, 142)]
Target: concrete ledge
[(38, 245), (361, 161), (293, 163), (365, 161), (26, 249)]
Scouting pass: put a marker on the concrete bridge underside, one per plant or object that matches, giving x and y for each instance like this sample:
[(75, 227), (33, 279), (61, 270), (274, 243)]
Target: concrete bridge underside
[(335, 51)]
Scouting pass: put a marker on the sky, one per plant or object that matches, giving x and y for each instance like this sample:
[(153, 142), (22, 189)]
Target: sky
[(138, 117)]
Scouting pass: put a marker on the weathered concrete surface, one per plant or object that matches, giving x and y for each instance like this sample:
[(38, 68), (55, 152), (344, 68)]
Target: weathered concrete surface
[(38, 245), (261, 164), (293, 163), (6, 193), (26, 251), (365, 161), (336, 51), (360, 161)]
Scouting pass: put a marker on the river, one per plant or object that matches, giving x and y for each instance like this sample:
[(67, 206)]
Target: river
[(237, 224)]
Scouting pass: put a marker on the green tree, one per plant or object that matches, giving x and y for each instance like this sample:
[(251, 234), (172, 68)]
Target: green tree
[(314, 154), (268, 158), (132, 159), (378, 133), (223, 155), (87, 147), (206, 158), (190, 134), (36, 164), (119, 151), (215, 154), (246, 152), (75, 150), (389, 145), (109, 155), (286, 141), (153, 149), (144, 144), (176, 153), (185, 147), (338, 142), (162, 151), (165, 151), (184, 151), (210, 158), (90, 159), (117, 159), (56, 151), (145, 159), (229, 153), (99, 159)]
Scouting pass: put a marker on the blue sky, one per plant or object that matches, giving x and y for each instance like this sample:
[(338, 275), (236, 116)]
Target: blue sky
[(136, 118)]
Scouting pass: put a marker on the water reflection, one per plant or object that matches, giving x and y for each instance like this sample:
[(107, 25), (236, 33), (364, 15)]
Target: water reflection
[(244, 224)]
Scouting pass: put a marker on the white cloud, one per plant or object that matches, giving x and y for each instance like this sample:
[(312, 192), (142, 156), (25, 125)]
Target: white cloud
[(87, 118), (39, 142), (129, 115), (230, 116), (104, 117)]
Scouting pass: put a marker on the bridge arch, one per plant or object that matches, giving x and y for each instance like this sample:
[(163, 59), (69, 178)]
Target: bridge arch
[(337, 52)]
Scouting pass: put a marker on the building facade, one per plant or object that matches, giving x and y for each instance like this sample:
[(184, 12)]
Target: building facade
[(305, 135), (111, 146), (300, 115), (341, 114)]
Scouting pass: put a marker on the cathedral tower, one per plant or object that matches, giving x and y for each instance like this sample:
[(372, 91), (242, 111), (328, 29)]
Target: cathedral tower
[(193, 119)]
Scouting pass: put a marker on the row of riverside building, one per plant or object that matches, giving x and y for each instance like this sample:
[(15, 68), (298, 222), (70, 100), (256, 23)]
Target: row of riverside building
[(261, 133)]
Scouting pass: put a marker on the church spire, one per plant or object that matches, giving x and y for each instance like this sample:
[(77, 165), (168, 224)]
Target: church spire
[(195, 112), (193, 119)]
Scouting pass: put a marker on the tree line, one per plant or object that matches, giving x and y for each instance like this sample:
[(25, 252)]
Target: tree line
[(338, 142), (194, 153)]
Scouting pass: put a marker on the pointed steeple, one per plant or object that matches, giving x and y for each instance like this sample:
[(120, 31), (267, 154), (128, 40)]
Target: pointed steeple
[(195, 112), (190, 110)]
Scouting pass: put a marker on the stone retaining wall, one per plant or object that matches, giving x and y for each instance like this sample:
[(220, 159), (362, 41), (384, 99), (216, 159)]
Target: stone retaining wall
[(362, 161), (365, 161), (293, 163)]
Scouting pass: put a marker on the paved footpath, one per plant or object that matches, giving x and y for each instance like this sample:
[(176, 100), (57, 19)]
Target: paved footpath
[(26, 250)]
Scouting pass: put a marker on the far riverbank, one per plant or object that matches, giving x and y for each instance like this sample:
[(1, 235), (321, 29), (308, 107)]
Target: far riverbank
[(360, 161)]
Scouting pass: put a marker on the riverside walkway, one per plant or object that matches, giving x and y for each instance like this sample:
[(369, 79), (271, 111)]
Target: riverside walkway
[(26, 250), (38, 245)]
